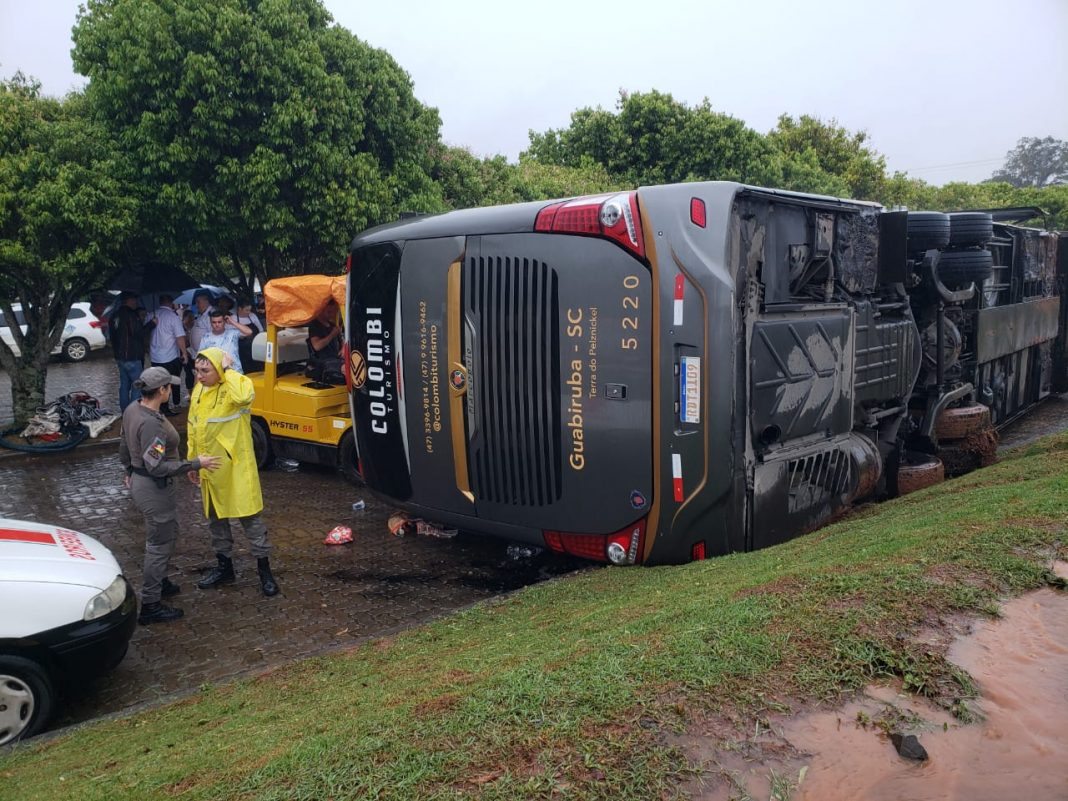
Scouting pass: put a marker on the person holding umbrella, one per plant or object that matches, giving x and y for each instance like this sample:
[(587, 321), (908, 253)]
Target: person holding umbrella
[(128, 345)]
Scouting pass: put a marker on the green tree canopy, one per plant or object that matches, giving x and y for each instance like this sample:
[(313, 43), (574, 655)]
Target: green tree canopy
[(1035, 162), (64, 216), (824, 157), (651, 138), (259, 132)]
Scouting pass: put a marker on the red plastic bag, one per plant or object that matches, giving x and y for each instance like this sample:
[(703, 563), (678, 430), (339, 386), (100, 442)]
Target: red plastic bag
[(338, 535)]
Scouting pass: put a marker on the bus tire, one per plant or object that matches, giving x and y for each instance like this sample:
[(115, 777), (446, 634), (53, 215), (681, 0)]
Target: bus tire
[(970, 229), (924, 471), (347, 459), (927, 230), (962, 421), (964, 266), (261, 444)]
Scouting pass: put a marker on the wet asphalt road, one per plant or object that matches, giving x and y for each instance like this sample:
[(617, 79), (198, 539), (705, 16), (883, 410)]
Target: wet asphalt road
[(332, 596)]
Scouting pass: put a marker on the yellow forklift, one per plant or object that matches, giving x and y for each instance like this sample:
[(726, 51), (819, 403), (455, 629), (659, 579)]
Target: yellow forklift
[(295, 415)]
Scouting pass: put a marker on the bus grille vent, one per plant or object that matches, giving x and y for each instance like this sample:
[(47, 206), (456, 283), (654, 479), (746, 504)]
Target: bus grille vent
[(515, 454), (816, 480)]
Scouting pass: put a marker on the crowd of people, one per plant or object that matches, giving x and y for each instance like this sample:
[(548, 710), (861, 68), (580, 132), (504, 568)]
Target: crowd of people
[(210, 346), (171, 336)]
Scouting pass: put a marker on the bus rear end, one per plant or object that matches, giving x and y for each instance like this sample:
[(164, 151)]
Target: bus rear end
[(538, 372)]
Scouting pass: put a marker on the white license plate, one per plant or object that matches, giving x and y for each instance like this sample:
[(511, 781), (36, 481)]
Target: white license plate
[(690, 389)]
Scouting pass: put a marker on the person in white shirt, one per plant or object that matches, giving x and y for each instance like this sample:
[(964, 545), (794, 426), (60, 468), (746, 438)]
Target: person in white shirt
[(246, 316), (202, 326), (167, 348), (226, 331)]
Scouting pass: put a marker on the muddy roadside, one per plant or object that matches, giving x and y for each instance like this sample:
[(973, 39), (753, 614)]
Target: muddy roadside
[(1008, 742)]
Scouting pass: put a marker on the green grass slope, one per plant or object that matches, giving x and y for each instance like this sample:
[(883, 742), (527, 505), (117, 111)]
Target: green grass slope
[(566, 689)]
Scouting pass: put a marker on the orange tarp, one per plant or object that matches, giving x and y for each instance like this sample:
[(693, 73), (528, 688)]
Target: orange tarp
[(297, 300)]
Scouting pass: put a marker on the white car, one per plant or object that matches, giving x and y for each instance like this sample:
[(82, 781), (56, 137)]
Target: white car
[(82, 333), (66, 615)]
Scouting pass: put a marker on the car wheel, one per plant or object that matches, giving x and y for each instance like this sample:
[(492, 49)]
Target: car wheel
[(75, 349), (261, 444), (919, 472), (26, 698), (927, 230), (347, 460), (970, 229)]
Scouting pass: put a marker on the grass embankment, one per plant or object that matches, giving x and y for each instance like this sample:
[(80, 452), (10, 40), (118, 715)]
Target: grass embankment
[(566, 689)]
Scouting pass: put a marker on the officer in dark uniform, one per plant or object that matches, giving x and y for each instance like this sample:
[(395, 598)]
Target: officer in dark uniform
[(148, 450)]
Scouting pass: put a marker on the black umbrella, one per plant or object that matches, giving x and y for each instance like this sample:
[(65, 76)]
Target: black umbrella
[(150, 279)]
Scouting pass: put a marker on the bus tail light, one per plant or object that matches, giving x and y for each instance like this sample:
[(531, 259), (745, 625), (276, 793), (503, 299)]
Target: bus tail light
[(622, 548), (613, 217), (346, 367)]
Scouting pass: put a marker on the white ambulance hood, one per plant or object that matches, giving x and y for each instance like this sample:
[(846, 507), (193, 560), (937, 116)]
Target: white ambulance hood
[(37, 552)]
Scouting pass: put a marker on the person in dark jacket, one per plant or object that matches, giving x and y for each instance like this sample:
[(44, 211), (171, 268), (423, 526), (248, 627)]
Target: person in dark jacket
[(128, 344), (148, 451)]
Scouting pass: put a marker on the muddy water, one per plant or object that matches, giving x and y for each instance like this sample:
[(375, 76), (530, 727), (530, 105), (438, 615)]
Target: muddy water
[(1019, 750)]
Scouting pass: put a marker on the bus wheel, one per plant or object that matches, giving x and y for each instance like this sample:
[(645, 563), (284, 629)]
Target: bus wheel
[(962, 421), (261, 444), (970, 228), (927, 230), (925, 471), (959, 267), (347, 460)]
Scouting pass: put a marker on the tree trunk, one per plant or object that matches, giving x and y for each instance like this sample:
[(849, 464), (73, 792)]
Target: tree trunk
[(28, 388)]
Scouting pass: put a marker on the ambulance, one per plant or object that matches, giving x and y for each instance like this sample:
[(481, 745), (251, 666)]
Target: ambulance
[(66, 616)]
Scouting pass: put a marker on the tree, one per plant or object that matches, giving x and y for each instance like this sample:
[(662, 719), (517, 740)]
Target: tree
[(262, 136), (652, 138), (63, 218), (1035, 162), (818, 156)]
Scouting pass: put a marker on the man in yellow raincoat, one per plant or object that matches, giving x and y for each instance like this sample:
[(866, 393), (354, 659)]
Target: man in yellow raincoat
[(220, 425)]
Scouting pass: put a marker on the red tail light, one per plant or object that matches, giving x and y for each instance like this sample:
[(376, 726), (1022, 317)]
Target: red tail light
[(348, 264), (346, 369), (97, 324), (613, 217), (697, 212), (625, 547), (697, 552)]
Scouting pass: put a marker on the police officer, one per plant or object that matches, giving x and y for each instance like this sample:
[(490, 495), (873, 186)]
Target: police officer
[(149, 453)]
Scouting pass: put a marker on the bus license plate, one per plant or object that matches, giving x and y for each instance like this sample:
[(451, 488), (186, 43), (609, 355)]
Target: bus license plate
[(690, 389)]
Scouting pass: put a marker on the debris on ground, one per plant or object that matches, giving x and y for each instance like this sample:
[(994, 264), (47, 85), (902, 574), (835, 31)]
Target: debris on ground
[(401, 524), (908, 746), (286, 465), (516, 552), (358, 506), (338, 535)]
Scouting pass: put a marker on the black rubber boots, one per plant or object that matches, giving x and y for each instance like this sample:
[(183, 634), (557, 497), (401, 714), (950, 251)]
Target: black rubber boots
[(223, 573), (267, 582)]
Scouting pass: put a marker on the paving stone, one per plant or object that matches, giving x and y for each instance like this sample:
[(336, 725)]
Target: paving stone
[(375, 585)]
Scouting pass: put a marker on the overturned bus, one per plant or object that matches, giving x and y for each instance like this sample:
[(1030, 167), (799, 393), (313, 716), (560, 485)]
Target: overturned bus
[(684, 371)]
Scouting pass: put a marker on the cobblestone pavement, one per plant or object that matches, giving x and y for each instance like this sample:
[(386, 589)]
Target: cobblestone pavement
[(332, 596)]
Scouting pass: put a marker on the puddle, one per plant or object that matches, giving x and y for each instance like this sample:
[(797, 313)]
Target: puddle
[(1018, 750)]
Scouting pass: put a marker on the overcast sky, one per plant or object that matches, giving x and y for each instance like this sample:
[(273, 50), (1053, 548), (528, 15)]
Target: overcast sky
[(944, 88)]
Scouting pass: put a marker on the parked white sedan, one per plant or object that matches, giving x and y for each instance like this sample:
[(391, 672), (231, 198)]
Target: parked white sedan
[(82, 333), (66, 615)]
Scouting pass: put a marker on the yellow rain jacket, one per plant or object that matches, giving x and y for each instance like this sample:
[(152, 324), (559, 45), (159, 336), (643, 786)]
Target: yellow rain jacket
[(220, 425)]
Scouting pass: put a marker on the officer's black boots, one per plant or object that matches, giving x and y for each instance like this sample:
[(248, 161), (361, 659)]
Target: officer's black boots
[(158, 613), (267, 582), (223, 573), (169, 588)]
